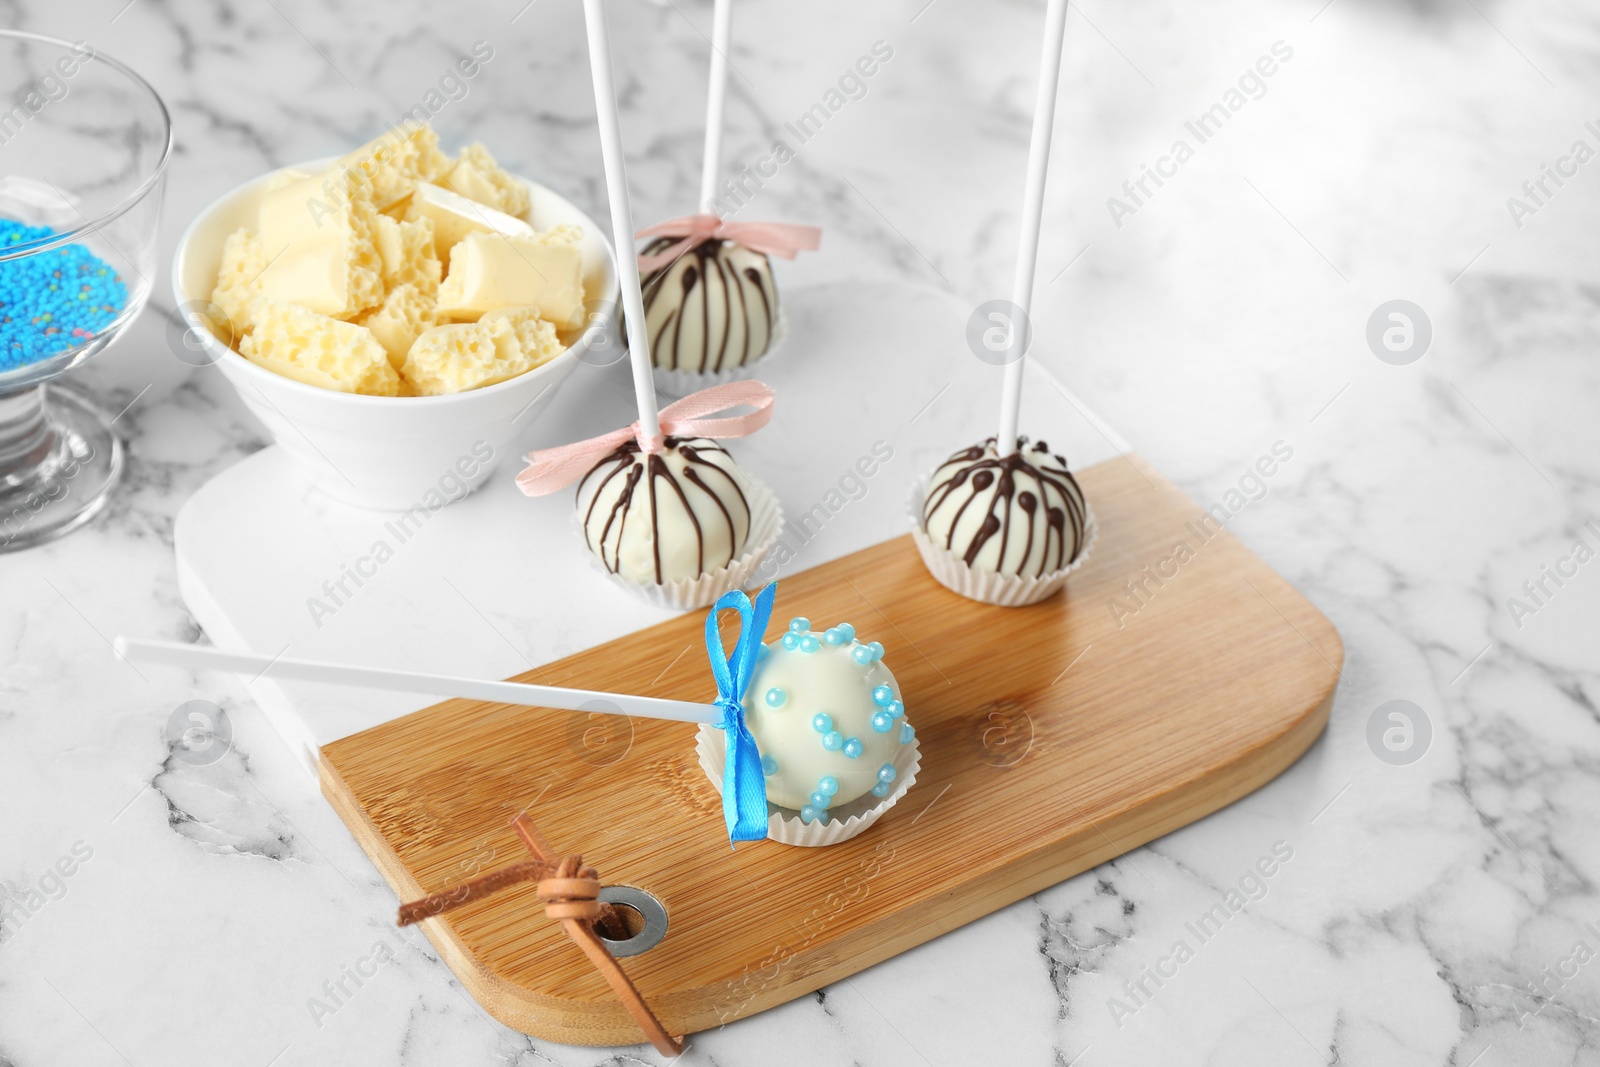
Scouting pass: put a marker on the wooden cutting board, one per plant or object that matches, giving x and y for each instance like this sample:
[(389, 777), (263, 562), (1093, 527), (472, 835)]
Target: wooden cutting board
[(1054, 737)]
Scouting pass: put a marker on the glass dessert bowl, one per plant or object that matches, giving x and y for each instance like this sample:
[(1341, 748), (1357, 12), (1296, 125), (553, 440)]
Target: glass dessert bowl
[(84, 145)]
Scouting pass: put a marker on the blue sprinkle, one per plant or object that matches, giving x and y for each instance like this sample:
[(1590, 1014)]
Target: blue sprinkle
[(769, 766), (862, 655), (808, 814), (852, 748), (833, 740), (828, 785), (799, 624), (51, 302), (776, 697), (809, 643), (883, 722), (822, 722), (886, 773), (834, 636), (906, 733), (877, 650), (882, 696), (895, 709), (820, 800), (848, 631), (881, 789), (791, 641)]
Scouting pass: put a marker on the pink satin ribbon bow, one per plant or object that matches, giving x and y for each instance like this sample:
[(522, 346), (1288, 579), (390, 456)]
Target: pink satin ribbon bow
[(550, 469), (784, 239)]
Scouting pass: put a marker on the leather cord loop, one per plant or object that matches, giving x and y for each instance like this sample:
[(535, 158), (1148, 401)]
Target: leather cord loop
[(570, 893)]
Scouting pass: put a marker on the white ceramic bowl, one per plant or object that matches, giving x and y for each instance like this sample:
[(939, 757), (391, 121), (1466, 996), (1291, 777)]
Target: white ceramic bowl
[(389, 453)]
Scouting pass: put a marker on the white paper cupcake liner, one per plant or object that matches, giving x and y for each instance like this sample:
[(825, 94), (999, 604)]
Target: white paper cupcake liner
[(1007, 591), (766, 520), (680, 383), (843, 822)]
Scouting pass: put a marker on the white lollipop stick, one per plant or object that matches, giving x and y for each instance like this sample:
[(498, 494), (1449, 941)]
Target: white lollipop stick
[(605, 106), (716, 94), (202, 657), (1044, 114)]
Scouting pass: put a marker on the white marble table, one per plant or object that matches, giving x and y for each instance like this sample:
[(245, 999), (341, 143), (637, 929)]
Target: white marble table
[(1442, 911)]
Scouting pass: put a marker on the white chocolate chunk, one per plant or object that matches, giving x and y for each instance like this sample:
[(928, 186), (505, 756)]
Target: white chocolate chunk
[(397, 161), (567, 233), (238, 288), (462, 356), (478, 177), (454, 217), (407, 252), (319, 351), (489, 271), (319, 238), (535, 336), (405, 314)]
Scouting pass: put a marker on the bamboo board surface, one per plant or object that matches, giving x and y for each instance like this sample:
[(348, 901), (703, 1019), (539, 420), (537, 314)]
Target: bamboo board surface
[(1053, 739)]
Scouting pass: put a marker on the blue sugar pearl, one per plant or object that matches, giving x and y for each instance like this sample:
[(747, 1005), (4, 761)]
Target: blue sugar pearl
[(776, 697), (881, 789), (852, 748), (822, 722), (833, 740), (848, 631), (833, 637), (808, 814), (895, 709), (883, 722), (882, 696), (877, 650), (769, 766), (799, 624), (809, 643), (906, 733), (820, 800), (862, 655), (828, 785), (886, 773), (791, 641)]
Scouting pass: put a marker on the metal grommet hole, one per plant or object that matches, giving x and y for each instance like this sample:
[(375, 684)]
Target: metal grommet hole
[(641, 913)]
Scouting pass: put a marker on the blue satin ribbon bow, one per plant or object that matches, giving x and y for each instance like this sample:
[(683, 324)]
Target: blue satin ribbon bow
[(744, 786)]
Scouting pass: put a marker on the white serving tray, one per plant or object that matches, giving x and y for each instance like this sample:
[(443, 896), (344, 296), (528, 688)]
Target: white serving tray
[(496, 584)]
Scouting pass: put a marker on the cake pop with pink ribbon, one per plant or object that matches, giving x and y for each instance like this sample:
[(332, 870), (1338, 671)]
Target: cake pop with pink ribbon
[(710, 299), (662, 505)]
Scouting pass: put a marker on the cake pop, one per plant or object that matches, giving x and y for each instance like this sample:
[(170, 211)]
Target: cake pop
[(665, 511), (1021, 515), (710, 299), (713, 308), (1000, 522), (826, 713), (665, 516)]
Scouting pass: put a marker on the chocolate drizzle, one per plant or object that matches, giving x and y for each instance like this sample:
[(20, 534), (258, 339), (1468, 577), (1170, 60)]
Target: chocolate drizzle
[(613, 510), (712, 309), (1028, 497)]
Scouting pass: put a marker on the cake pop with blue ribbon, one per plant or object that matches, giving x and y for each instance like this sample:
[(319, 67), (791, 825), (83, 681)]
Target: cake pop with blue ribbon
[(818, 721)]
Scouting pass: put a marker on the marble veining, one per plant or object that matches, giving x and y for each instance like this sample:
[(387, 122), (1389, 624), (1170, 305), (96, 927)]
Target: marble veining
[(1438, 912)]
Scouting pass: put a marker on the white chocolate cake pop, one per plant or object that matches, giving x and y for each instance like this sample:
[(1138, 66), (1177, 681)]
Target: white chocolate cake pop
[(1021, 515), (667, 516), (827, 716), (712, 309)]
